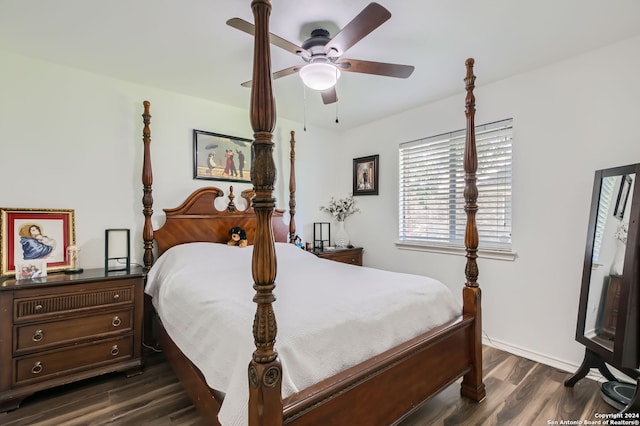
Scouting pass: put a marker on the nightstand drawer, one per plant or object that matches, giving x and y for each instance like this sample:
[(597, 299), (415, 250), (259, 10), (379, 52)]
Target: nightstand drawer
[(42, 366), (40, 307), (43, 335), (351, 256)]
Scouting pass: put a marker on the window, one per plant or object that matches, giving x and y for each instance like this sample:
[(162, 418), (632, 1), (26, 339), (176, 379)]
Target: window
[(432, 185), (606, 194)]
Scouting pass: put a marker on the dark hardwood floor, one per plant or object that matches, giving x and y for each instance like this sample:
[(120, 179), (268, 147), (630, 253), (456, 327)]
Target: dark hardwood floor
[(519, 392)]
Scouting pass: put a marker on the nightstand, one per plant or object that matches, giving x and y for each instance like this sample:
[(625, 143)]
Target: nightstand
[(347, 255), (63, 328)]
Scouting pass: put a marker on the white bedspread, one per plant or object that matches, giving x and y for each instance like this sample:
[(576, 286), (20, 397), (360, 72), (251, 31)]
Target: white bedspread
[(330, 315)]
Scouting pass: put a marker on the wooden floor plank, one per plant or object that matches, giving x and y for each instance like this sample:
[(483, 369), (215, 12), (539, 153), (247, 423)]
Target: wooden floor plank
[(519, 392), (529, 397)]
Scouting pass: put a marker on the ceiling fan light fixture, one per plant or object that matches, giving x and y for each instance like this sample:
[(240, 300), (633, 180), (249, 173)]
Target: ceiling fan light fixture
[(319, 75)]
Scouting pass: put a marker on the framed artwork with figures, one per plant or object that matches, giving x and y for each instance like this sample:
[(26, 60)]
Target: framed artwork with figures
[(221, 157), (35, 235), (31, 270), (365, 175)]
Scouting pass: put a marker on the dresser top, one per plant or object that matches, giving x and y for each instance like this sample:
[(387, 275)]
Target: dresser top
[(60, 278), (336, 250)]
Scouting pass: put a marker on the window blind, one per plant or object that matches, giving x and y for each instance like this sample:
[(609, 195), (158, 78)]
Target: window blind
[(432, 185), (606, 194)]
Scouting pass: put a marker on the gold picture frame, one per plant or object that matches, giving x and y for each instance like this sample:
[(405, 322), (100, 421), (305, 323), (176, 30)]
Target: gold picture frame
[(35, 234)]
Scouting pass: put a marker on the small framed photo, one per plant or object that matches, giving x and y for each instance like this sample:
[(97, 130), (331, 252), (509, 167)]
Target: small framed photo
[(365, 175), (31, 269), (623, 196), (221, 157), (35, 235)]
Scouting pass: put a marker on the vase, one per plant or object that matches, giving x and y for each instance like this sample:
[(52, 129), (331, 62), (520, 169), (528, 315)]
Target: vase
[(341, 239)]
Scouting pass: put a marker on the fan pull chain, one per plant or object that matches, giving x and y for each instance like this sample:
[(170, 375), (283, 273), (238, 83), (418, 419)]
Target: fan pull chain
[(304, 105), (336, 89)]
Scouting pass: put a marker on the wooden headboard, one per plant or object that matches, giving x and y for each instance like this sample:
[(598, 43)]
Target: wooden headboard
[(198, 220)]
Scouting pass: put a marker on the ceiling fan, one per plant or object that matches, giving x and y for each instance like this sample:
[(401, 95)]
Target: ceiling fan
[(323, 54)]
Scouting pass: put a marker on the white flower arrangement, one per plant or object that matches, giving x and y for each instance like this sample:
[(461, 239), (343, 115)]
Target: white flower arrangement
[(342, 208), (622, 232)]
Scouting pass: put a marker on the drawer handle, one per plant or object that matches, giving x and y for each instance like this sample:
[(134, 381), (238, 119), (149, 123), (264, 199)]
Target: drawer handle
[(37, 368), (116, 296), (114, 350), (116, 321), (37, 336), (38, 307)]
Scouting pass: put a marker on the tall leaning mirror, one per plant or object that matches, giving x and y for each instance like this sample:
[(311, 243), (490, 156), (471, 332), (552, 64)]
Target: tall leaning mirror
[(608, 308)]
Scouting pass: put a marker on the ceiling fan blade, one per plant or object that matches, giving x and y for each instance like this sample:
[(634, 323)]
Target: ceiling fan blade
[(278, 74), (329, 96), (368, 20), (287, 71), (376, 68), (249, 28)]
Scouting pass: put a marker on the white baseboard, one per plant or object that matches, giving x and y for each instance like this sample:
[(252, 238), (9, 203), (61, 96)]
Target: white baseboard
[(570, 368)]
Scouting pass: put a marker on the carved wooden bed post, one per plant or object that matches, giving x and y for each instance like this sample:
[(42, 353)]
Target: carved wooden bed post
[(472, 384), (292, 188), (265, 370), (147, 181)]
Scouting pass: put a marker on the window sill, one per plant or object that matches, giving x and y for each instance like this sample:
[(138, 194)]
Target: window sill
[(458, 251)]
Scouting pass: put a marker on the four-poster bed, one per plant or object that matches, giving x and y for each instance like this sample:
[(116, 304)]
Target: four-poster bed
[(376, 391)]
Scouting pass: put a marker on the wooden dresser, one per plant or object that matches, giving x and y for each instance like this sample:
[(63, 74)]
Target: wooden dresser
[(348, 255), (63, 328), (607, 318)]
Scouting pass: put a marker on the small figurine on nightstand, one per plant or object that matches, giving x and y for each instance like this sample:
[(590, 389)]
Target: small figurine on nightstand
[(297, 241), (73, 254)]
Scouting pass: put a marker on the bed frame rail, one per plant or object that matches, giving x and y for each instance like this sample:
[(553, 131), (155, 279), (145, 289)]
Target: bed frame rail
[(387, 382)]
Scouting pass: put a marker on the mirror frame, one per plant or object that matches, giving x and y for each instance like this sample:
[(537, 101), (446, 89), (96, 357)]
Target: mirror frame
[(625, 352)]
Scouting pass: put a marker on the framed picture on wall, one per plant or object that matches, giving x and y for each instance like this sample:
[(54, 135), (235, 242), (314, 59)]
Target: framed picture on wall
[(365, 175), (35, 235), (623, 196), (221, 157)]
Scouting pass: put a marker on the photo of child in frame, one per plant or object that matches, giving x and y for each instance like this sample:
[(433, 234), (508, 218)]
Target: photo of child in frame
[(30, 270)]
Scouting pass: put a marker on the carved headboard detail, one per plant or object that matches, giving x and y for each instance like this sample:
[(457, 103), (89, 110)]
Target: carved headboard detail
[(198, 220)]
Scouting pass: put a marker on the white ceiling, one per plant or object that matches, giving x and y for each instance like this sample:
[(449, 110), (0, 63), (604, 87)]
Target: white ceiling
[(185, 46)]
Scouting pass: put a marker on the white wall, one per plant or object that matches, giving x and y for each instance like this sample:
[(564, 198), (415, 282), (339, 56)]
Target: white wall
[(71, 139), (569, 119)]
